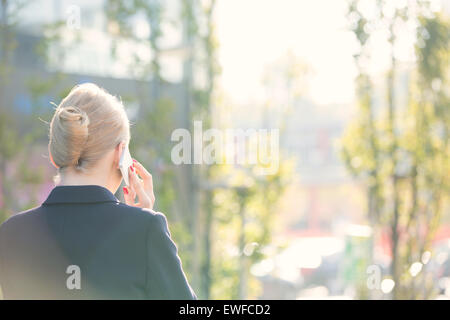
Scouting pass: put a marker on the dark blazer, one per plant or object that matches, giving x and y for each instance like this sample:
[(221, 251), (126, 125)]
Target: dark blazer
[(82, 236)]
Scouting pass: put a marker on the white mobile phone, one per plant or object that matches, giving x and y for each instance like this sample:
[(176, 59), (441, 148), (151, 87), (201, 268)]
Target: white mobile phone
[(124, 163)]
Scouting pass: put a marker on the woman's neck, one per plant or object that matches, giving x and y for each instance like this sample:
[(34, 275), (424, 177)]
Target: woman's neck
[(79, 179), (70, 178)]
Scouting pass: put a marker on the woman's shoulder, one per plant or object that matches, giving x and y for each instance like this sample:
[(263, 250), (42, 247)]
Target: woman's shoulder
[(29, 213), (129, 213), (144, 214), (17, 219)]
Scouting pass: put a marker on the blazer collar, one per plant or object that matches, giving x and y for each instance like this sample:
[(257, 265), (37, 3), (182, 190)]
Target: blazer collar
[(80, 194)]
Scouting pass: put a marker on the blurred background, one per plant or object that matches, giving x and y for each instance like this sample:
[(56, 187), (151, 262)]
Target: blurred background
[(359, 208)]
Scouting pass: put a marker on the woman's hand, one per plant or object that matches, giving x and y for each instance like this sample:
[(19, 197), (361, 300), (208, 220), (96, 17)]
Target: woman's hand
[(143, 188)]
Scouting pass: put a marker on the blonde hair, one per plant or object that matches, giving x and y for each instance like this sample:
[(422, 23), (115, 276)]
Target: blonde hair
[(86, 124)]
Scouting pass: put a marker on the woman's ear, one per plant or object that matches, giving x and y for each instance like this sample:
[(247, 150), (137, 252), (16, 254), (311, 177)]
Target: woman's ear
[(120, 148)]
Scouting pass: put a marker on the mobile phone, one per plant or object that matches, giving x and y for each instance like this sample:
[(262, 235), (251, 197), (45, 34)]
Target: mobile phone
[(124, 163)]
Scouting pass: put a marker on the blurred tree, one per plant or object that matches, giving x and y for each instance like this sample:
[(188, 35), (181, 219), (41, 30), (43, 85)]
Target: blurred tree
[(204, 100), (8, 128), (365, 149), (394, 151), (426, 141), (245, 201), (245, 208), (17, 173)]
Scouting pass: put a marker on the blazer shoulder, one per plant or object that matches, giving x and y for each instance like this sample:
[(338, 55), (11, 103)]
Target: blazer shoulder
[(148, 215), (19, 217)]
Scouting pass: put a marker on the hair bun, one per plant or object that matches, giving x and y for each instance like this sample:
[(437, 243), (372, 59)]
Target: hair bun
[(73, 114), (70, 132)]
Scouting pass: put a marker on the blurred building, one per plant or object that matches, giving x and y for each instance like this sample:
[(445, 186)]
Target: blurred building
[(85, 52)]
